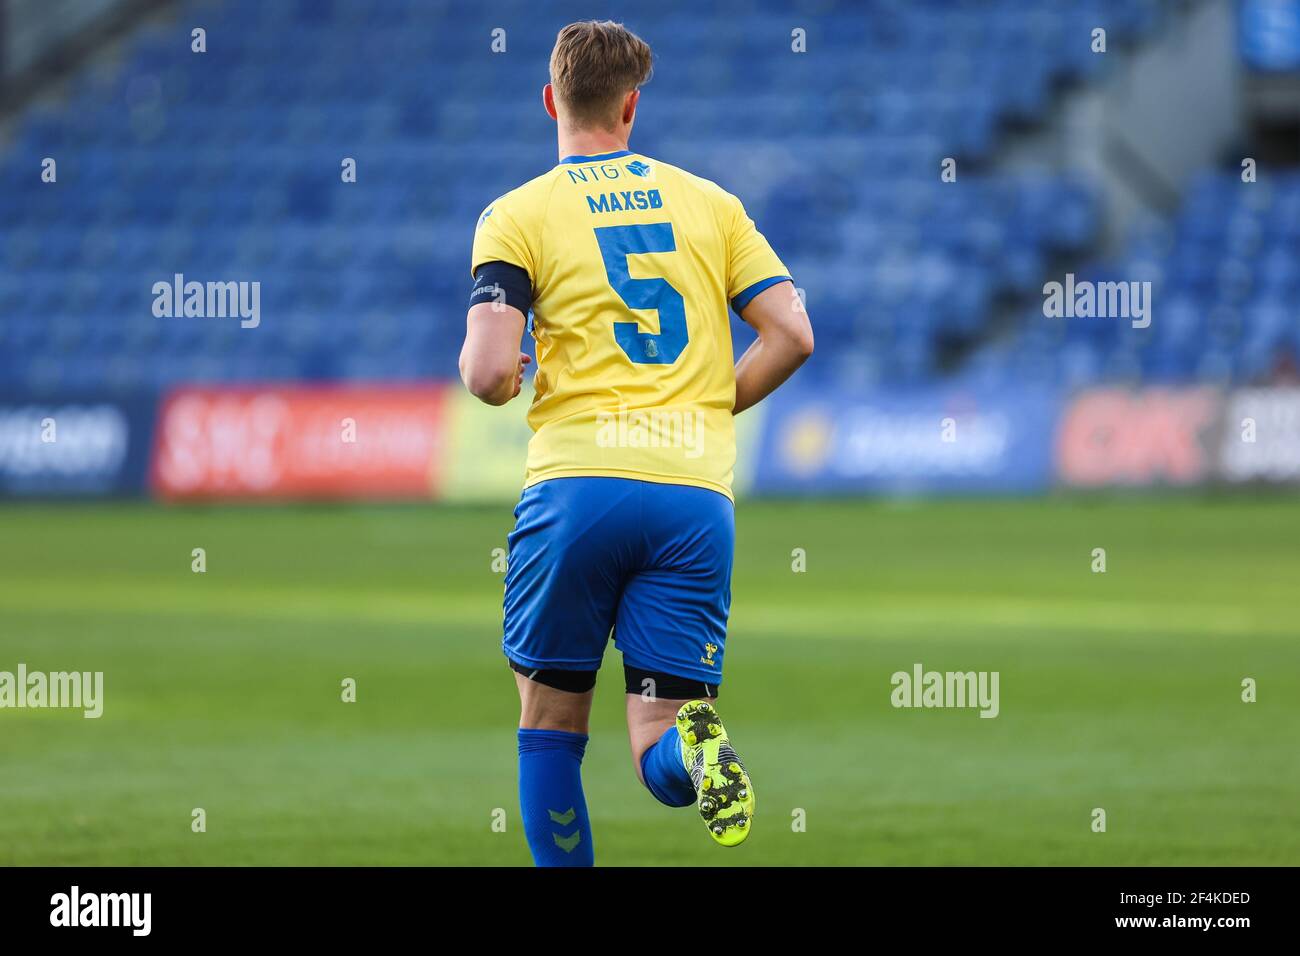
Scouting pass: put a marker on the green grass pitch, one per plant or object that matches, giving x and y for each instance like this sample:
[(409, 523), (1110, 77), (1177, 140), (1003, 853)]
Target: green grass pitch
[(1119, 690)]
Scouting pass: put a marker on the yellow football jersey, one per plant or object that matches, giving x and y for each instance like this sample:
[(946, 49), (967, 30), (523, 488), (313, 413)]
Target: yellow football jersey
[(633, 264)]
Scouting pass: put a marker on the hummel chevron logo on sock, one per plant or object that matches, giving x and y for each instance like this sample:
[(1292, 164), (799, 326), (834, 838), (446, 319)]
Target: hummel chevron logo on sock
[(569, 842)]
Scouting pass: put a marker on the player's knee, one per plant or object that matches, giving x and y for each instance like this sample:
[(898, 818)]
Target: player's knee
[(552, 699)]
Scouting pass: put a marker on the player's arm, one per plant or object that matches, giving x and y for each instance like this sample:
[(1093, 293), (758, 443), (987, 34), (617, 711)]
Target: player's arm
[(503, 262), (491, 365), (785, 340)]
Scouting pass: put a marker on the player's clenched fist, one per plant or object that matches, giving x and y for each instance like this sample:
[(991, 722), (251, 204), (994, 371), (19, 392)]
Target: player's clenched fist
[(524, 361)]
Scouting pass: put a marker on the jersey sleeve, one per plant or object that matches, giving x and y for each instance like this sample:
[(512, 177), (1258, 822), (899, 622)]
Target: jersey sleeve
[(752, 266), (502, 236)]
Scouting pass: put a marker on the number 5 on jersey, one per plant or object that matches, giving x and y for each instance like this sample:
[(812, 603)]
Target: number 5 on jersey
[(644, 348)]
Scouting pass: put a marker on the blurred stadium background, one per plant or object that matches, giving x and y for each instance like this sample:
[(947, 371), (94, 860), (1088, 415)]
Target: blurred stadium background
[(924, 168)]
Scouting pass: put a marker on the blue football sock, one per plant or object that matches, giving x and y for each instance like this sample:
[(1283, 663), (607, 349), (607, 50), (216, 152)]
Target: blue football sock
[(550, 797), (665, 774)]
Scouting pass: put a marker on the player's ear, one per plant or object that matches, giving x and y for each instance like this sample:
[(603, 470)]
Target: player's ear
[(548, 101), (629, 107)]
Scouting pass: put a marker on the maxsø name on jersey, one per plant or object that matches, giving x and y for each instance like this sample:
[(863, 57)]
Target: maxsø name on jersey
[(627, 199)]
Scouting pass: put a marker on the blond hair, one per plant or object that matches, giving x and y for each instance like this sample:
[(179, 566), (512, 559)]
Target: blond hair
[(594, 65)]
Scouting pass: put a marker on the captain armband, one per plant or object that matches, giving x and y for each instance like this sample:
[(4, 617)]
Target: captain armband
[(504, 283)]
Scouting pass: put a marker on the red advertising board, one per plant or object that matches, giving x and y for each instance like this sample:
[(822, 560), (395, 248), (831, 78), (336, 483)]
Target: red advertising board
[(1152, 436), (276, 441)]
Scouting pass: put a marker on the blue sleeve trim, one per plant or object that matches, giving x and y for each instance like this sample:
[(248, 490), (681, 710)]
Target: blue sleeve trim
[(744, 297)]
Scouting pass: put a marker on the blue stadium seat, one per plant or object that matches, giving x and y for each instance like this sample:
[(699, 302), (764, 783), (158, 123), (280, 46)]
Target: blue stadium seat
[(225, 166)]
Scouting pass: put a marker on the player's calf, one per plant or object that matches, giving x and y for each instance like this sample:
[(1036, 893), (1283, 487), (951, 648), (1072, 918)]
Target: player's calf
[(653, 700), (684, 756), (552, 742)]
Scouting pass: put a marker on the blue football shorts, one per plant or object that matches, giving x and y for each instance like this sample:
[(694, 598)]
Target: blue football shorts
[(649, 561)]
